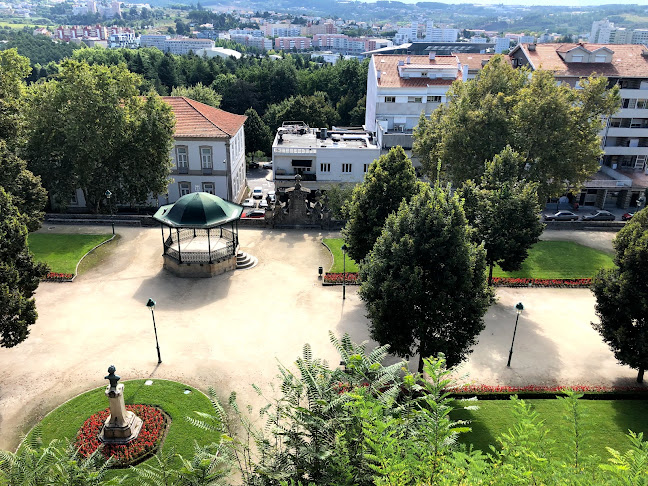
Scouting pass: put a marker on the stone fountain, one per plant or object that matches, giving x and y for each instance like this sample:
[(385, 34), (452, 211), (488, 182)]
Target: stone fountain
[(121, 426)]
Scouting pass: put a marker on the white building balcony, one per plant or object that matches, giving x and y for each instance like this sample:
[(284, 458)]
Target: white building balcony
[(627, 132), (625, 150)]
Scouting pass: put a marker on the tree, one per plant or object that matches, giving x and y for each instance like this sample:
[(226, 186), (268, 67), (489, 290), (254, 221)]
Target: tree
[(19, 275), (338, 197), (389, 180), (555, 127), (504, 210), (198, 92), (13, 70), (622, 296), (90, 129), (312, 110), (424, 280), (257, 134)]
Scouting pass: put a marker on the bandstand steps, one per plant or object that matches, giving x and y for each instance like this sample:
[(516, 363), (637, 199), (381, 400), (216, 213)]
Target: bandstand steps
[(244, 261)]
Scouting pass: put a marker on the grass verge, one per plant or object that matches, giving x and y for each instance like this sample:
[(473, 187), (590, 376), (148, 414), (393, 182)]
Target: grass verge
[(62, 252), (608, 422), (335, 245), (559, 259), (65, 421)]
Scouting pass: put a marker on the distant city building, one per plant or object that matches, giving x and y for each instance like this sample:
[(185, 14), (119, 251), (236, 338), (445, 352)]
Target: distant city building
[(289, 43), (252, 41), (219, 52), (604, 32), (178, 46), (501, 44)]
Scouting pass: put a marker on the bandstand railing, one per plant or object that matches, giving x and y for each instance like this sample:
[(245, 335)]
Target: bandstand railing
[(178, 236)]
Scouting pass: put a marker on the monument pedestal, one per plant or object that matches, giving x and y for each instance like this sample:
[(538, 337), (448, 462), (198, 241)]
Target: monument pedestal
[(121, 426)]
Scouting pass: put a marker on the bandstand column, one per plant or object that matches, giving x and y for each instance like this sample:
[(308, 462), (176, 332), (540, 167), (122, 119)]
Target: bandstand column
[(179, 252), (209, 246)]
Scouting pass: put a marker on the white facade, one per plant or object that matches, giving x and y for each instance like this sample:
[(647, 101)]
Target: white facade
[(321, 157), (502, 44), (179, 46)]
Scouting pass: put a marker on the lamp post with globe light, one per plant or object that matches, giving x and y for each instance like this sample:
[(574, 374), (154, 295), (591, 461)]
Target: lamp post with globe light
[(518, 308), (151, 305)]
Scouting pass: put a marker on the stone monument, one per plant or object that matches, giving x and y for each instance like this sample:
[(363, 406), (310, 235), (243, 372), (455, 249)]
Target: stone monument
[(302, 210), (121, 426)]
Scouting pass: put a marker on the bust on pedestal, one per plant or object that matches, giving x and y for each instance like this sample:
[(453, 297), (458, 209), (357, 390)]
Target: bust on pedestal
[(121, 426)]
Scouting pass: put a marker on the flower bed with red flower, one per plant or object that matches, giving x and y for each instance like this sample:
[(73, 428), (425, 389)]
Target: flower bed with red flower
[(338, 278), (59, 277), (154, 425), (541, 282)]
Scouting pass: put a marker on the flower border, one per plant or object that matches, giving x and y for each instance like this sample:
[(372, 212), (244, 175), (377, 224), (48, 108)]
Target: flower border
[(541, 282), (58, 277), (151, 437), (332, 278)]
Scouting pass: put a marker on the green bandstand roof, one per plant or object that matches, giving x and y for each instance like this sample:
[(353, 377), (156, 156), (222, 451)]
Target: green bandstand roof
[(198, 210)]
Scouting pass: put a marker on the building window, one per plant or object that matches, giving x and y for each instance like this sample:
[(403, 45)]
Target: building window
[(434, 99), (602, 58), (642, 104), (182, 160), (414, 99), (346, 168), (325, 167), (208, 187), (390, 99), (577, 59), (366, 168), (185, 188), (206, 157)]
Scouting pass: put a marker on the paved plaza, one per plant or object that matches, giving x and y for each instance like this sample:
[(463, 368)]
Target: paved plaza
[(230, 330)]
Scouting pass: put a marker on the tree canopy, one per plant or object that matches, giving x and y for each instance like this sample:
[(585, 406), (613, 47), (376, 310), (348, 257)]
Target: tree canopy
[(504, 211), (88, 128), (199, 92), (424, 280), (622, 296), (554, 126), (389, 180), (257, 133)]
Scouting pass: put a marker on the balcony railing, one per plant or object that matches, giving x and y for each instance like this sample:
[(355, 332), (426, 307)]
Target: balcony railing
[(288, 176)]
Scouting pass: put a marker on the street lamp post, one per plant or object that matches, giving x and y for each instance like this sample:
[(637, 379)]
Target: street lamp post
[(151, 305), (112, 222), (519, 308), (344, 250)]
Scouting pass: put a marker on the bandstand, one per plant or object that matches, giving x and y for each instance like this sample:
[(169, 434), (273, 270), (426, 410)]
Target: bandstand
[(199, 235)]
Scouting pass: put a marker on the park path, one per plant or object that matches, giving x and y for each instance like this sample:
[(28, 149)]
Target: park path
[(229, 331)]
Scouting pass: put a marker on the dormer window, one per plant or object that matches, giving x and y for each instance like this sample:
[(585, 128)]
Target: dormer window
[(600, 58), (577, 59)]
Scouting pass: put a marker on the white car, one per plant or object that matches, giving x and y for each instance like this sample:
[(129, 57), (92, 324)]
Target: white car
[(249, 203), (257, 193), (267, 165), (263, 204), (273, 196)]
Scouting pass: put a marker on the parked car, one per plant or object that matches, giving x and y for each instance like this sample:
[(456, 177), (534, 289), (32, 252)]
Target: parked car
[(254, 213), (249, 203), (266, 165), (627, 216), (561, 216), (600, 215), (263, 204), (257, 193), (273, 196), (253, 165)]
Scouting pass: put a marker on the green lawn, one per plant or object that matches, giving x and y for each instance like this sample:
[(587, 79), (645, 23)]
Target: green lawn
[(62, 252), (559, 259), (609, 421), (65, 421), (335, 245)]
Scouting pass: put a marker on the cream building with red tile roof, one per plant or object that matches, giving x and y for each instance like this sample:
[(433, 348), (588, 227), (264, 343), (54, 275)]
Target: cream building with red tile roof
[(623, 176)]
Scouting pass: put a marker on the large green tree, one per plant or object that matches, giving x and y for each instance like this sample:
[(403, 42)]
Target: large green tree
[(88, 128), (13, 70), (314, 110), (555, 127), (257, 134), (504, 211), (622, 296), (424, 281), (199, 92), (389, 180)]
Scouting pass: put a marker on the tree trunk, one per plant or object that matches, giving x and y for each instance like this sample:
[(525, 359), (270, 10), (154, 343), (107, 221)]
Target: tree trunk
[(420, 365), (640, 375), (422, 354), (490, 274)]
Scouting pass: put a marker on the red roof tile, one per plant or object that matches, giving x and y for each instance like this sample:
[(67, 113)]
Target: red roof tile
[(387, 64), (627, 60), (473, 61), (198, 120)]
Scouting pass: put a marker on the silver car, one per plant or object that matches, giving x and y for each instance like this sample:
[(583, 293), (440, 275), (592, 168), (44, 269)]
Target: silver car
[(562, 216)]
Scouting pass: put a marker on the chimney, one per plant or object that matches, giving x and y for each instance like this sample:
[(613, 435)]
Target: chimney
[(532, 47), (401, 63), (432, 55), (378, 74), (409, 60)]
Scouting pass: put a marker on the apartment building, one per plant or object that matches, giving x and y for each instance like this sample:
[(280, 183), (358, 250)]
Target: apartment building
[(320, 156), (604, 32), (178, 46), (401, 87), (349, 45), (622, 177), (288, 43)]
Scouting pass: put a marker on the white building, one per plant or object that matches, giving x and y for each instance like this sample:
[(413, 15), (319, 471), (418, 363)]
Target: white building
[(604, 32), (208, 153), (401, 87), (219, 52), (502, 44), (178, 46), (623, 176), (406, 34), (321, 157), (440, 34)]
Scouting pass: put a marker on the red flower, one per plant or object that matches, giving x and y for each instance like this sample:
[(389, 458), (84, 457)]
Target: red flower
[(338, 278)]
